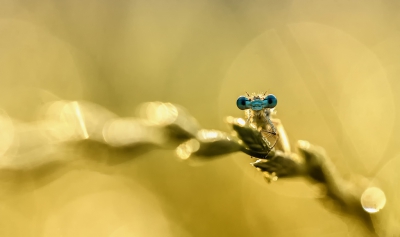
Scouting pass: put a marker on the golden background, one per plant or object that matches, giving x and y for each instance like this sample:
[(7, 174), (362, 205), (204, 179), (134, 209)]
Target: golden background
[(334, 66)]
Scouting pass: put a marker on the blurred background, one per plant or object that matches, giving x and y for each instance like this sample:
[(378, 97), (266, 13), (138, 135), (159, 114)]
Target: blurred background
[(334, 66)]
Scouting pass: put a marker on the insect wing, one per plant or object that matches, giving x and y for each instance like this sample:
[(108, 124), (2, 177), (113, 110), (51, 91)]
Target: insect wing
[(270, 136)]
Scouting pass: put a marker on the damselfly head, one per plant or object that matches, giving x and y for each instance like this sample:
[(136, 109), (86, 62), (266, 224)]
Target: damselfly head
[(256, 102)]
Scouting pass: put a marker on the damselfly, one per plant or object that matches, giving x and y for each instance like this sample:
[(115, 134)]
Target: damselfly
[(258, 109)]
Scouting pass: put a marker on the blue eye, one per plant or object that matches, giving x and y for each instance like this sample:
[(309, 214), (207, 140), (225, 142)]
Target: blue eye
[(270, 101), (242, 102)]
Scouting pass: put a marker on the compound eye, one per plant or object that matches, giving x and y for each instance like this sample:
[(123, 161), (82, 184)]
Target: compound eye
[(242, 102), (270, 101)]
